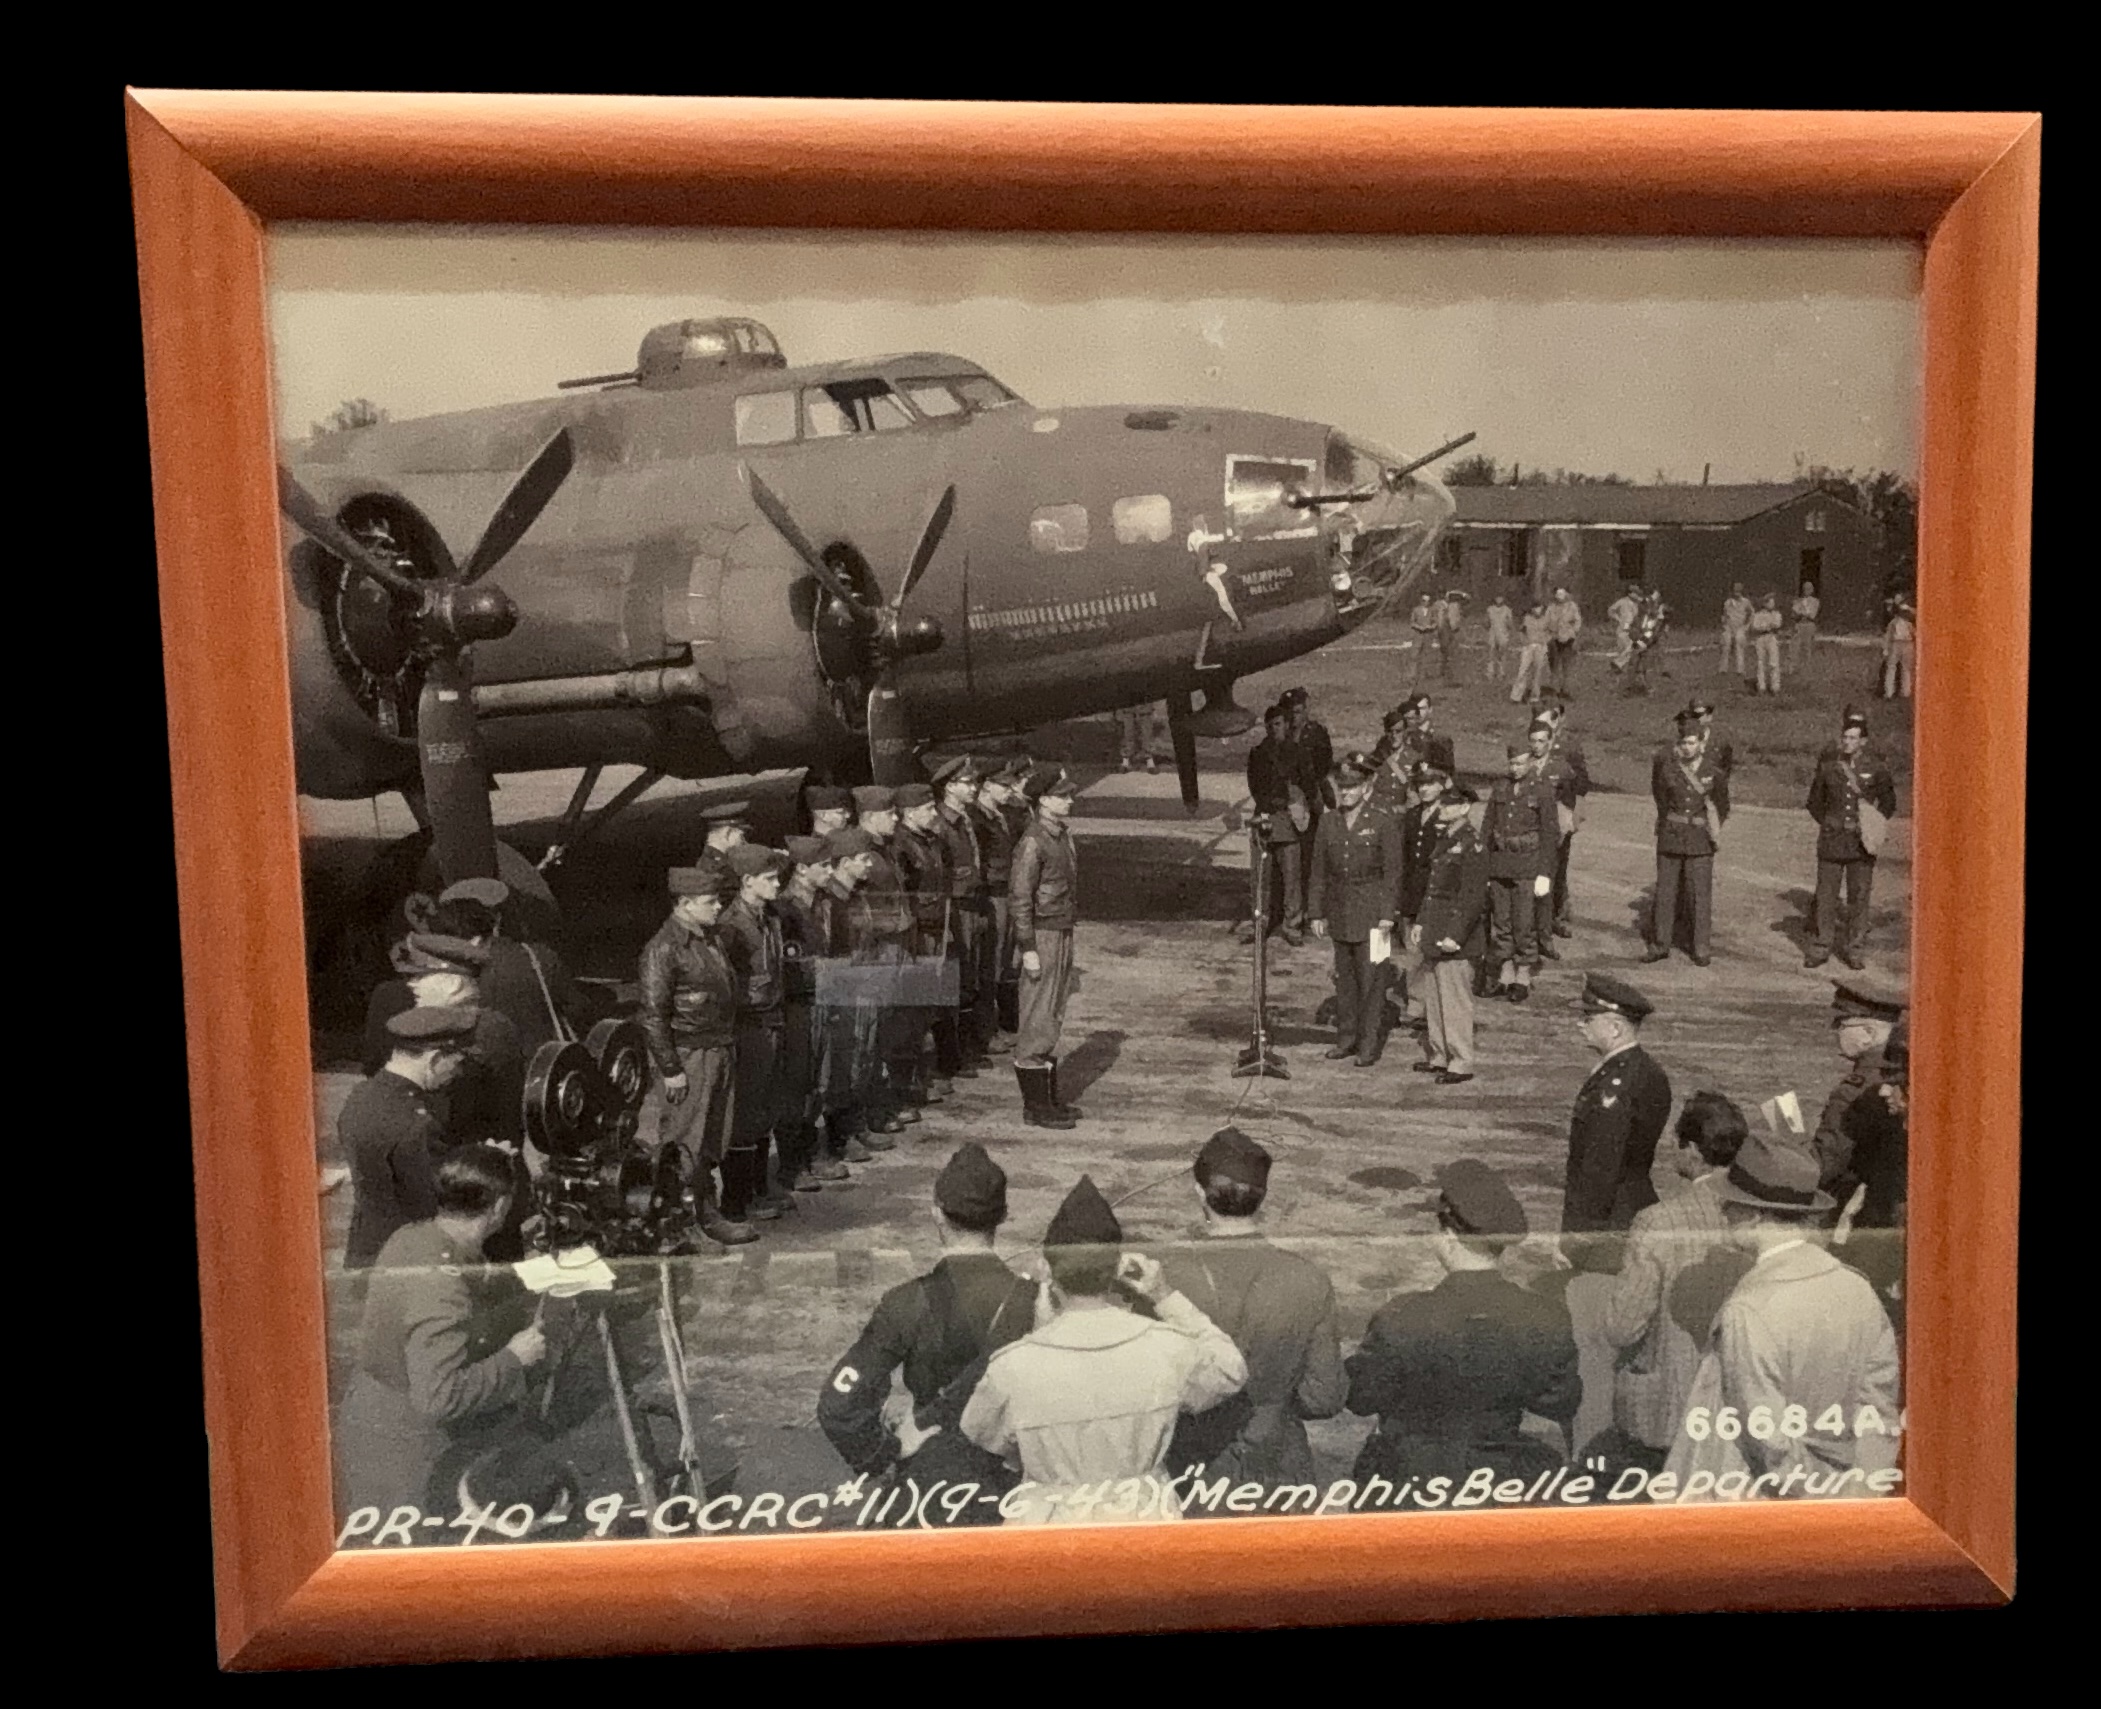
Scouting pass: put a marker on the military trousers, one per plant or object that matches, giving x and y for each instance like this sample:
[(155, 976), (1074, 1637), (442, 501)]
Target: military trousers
[(996, 996), (1897, 659), (1498, 658), (1688, 879), (1513, 928), (795, 1119), (1282, 896), (1736, 646), (1553, 908), (1803, 637), (758, 1082), (1842, 927), (1765, 647), (1448, 1008), (1561, 663), (1043, 998), (1360, 987), (1531, 671), (703, 1119)]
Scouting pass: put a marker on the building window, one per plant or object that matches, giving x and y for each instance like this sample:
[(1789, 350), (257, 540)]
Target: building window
[(1059, 528), (766, 418), (1814, 522), (1451, 555), (1138, 521), (1634, 559), (1517, 552)]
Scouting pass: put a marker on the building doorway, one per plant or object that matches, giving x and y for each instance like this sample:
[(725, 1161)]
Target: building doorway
[(1812, 570)]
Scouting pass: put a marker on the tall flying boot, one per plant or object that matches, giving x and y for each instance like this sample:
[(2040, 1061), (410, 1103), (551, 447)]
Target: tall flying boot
[(1036, 1110), (1053, 1102)]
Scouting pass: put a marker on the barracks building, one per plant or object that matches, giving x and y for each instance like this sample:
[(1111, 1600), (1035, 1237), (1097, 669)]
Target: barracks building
[(1689, 543)]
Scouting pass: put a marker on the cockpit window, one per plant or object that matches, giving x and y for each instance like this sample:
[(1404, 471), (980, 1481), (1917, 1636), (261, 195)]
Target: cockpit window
[(754, 340), (852, 406), (982, 391), (766, 418), (932, 398), (705, 346)]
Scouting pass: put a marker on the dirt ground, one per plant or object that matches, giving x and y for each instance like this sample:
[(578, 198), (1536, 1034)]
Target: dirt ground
[(1163, 1007)]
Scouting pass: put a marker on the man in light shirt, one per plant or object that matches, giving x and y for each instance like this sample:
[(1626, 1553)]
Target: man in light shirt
[(1736, 631), (1502, 625), (1623, 611), (1534, 633), (1087, 1404), (1564, 624), (1899, 646), (1805, 610)]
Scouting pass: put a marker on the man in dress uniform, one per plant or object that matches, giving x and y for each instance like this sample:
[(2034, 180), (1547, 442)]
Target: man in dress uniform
[(1282, 793), (1087, 1404), (390, 1134), (1043, 900), (1449, 937), (1519, 836), (1316, 751), (1864, 1012), (1279, 1309), (1558, 758), (1872, 1181), (922, 862), (689, 1012), (1420, 829), (803, 909), (1680, 1265), (939, 1329), (856, 1120), (445, 1347), (1691, 798), (1450, 1374), (729, 823), (1619, 1115), (1000, 815), (888, 923), (1852, 798), (1801, 1337), (1715, 747), (830, 808), (750, 935), (1356, 891), (435, 971), (1408, 732), (970, 913), (528, 983)]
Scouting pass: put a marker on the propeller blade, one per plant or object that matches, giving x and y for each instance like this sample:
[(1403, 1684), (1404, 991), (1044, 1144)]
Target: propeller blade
[(1184, 738), (929, 544), (455, 781), (325, 531), (890, 758), (776, 513), (522, 505)]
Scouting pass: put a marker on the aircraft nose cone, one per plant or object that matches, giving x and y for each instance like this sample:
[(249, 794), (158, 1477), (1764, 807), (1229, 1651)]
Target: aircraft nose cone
[(481, 613), (921, 635)]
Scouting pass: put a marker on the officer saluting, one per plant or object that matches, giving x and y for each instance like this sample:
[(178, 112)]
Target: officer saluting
[(1619, 1115), (1452, 1372), (939, 1328)]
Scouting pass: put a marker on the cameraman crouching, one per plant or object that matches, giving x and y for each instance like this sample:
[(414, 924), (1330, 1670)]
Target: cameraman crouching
[(444, 1348)]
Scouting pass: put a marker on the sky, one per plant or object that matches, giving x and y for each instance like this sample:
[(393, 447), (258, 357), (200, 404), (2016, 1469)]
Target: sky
[(1636, 358)]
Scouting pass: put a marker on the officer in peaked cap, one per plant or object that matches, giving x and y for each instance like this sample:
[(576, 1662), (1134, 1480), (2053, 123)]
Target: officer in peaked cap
[(1358, 868), (1619, 1115), (728, 822), (1279, 1310), (1864, 1012), (1043, 907), (962, 1043), (526, 981), (938, 1329), (1094, 1393), (1852, 797), (1451, 1373), (1000, 815), (392, 1127)]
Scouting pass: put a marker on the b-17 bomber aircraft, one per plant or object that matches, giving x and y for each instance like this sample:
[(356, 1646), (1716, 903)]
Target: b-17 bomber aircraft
[(716, 563)]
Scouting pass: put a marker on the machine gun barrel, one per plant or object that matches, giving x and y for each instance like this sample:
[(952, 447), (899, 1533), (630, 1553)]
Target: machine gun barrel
[(1395, 476)]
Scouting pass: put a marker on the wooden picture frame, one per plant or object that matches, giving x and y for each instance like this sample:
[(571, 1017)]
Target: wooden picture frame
[(210, 170)]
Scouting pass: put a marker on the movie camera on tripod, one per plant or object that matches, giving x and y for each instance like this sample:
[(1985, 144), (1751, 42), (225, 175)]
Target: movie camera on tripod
[(602, 1188)]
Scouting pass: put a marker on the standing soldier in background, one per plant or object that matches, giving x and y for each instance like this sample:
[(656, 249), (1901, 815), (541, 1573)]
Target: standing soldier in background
[(1356, 892), (1001, 814), (1691, 804), (969, 914), (1421, 826), (1279, 1310), (1564, 624), (1316, 752), (887, 922), (1716, 747), (526, 982), (1802, 636), (1558, 758), (937, 1330), (390, 1133), (1137, 736), (922, 859), (1422, 635), (1736, 631), (1852, 798), (804, 910), (1619, 1115), (1450, 615), (1534, 634), (1623, 612), (1765, 643), (1520, 836), (750, 934), (1899, 646), (1043, 897), (1280, 791), (830, 808), (1502, 628), (689, 1012), (864, 947), (1448, 934)]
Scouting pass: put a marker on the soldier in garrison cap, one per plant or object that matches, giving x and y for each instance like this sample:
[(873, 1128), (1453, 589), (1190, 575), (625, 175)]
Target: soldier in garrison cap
[(1451, 1373), (526, 981), (1358, 861), (923, 863), (1558, 759), (969, 916), (689, 1012), (848, 1003), (937, 1330), (1801, 1334), (885, 926), (1002, 814), (830, 808), (1521, 835), (390, 1133), (1852, 798), (1864, 1011), (445, 1345), (804, 909), (1280, 790), (1692, 802), (1043, 902), (1279, 1310), (750, 935), (1620, 1113), (1091, 1398)]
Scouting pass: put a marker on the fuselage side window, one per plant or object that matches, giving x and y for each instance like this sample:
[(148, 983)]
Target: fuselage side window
[(766, 418), (1059, 528), (1144, 521), (932, 398), (852, 406)]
